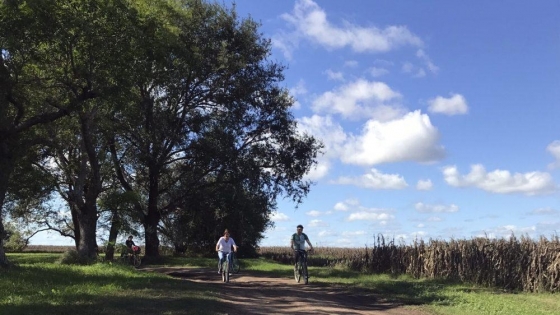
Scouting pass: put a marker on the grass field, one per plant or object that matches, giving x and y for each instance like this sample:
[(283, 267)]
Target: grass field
[(39, 285)]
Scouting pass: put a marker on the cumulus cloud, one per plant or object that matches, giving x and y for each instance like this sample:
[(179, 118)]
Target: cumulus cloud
[(421, 54), (360, 99), (318, 223), (377, 72), (410, 138), (310, 22), (456, 104), (554, 149), (370, 216), (424, 184), (501, 181), (346, 204), (506, 231), (334, 75), (313, 213), (374, 180), (426, 208), (318, 171), (279, 216), (323, 127), (353, 233)]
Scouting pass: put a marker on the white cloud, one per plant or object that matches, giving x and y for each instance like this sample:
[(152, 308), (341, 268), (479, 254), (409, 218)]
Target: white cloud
[(313, 213), (424, 184), (544, 211), (377, 72), (421, 54), (318, 223), (374, 180), (318, 171), (414, 71), (500, 181), (422, 207), (341, 206), (506, 231), (371, 215), (353, 233), (554, 149), (360, 99), (329, 132), (454, 105), (310, 21), (279, 216), (326, 233), (334, 75), (410, 138)]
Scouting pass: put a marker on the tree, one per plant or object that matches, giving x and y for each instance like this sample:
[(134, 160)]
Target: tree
[(56, 57), (210, 111)]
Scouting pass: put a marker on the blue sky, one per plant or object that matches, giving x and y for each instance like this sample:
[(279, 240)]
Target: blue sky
[(439, 118)]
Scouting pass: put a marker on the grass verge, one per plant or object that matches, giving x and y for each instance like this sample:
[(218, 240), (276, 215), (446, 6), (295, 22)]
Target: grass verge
[(39, 285)]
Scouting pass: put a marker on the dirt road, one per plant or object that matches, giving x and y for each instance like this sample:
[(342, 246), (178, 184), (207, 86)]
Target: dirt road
[(251, 293)]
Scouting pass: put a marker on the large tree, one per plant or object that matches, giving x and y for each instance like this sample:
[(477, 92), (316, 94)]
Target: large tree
[(56, 57), (210, 111)]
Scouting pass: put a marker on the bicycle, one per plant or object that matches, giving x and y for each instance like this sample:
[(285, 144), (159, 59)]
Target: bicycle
[(227, 266), (234, 263), (300, 271), (132, 258)]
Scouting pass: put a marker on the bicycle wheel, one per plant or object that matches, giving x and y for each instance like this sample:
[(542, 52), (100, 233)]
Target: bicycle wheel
[(137, 261), (305, 274), (297, 272), (235, 264), (225, 271)]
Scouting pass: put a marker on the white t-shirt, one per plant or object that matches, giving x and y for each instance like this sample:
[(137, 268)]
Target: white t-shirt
[(225, 246)]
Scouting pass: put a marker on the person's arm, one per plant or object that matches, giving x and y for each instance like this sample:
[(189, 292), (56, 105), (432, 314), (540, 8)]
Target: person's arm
[(218, 244), (234, 245), (292, 243), (308, 242)]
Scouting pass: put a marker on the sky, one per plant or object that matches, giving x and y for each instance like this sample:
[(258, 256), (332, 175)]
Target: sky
[(439, 118)]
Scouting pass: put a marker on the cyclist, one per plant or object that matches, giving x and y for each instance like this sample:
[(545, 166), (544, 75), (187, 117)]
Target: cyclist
[(224, 247), (129, 243), (298, 243)]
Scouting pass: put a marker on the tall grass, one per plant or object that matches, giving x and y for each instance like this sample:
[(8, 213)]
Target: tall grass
[(518, 264)]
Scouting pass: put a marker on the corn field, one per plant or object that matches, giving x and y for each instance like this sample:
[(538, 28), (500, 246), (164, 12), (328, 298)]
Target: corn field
[(512, 264)]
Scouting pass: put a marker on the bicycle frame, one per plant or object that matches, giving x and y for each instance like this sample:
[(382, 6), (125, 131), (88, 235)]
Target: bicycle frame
[(301, 267), (226, 264)]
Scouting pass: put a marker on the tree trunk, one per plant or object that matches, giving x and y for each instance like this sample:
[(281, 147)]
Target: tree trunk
[(113, 234), (6, 169), (150, 229), (88, 227)]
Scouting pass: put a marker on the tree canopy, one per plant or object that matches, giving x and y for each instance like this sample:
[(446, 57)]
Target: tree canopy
[(177, 120)]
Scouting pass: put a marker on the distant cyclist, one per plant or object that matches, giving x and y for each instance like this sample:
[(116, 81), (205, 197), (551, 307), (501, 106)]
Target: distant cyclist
[(224, 247), (298, 243), (131, 247)]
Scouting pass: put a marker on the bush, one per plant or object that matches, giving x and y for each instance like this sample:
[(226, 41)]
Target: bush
[(14, 241), (72, 257)]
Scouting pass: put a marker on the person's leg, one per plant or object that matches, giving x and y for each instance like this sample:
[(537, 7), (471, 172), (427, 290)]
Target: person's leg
[(220, 260)]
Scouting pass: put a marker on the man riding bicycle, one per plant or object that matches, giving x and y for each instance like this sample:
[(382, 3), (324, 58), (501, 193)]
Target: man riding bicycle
[(298, 243), (224, 247)]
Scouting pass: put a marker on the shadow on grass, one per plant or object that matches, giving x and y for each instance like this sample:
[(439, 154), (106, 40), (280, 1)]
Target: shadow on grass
[(119, 290)]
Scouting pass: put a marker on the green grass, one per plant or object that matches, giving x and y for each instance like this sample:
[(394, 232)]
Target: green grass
[(35, 287), (39, 285)]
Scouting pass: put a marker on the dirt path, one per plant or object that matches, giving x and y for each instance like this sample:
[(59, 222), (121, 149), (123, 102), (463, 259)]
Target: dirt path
[(252, 293)]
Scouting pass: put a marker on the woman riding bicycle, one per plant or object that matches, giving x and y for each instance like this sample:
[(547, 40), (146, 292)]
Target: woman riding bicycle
[(298, 243), (224, 247)]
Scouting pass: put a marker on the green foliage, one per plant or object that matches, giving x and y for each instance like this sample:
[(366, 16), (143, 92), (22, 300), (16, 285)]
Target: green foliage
[(15, 240), (72, 257)]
